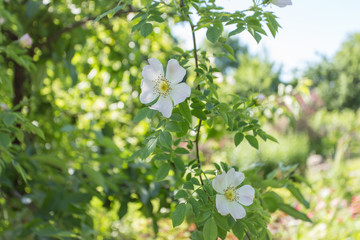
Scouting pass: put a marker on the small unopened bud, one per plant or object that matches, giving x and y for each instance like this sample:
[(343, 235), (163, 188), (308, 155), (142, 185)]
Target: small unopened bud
[(3, 106), (25, 40), (259, 99), (281, 3)]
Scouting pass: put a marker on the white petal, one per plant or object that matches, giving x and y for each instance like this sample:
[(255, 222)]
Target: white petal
[(163, 105), (234, 178), (156, 65), (222, 205), (174, 72), (220, 183), (236, 210), (179, 92), (149, 73), (147, 92), (245, 195)]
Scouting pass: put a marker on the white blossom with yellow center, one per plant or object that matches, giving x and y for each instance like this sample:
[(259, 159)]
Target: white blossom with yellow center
[(168, 88), (230, 198)]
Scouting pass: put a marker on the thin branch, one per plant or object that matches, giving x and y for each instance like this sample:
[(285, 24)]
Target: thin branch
[(198, 87)]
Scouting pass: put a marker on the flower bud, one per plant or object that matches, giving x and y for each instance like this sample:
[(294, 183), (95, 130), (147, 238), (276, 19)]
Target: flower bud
[(3, 106), (2, 21), (25, 40), (259, 99), (281, 3)]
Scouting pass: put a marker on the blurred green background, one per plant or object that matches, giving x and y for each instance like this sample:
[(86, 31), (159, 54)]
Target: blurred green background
[(79, 83)]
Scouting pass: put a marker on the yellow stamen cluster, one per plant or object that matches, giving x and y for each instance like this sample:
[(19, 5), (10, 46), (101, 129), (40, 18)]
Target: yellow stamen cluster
[(230, 194), (162, 86)]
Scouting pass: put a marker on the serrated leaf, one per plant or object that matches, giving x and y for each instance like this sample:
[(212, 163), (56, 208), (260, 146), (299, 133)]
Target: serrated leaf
[(252, 141), (146, 29), (178, 216), (165, 139), (236, 31), (297, 194), (185, 111), (213, 34), (210, 230), (141, 114), (181, 194), (271, 138), (238, 138), (293, 212), (179, 164), (162, 171), (228, 48), (188, 185), (181, 151), (111, 13), (172, 127), (9, 119), (199, 114), (4, 139), (221, 221)]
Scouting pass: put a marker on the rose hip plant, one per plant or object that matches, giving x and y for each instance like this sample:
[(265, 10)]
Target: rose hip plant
[(100, 115), (183, 100)]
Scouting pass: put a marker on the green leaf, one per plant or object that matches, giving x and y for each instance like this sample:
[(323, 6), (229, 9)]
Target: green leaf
[(20, 170), (185, 111), (4, 139), (271, 138), (9, 119), (165, 139), (297, 194), (236, 31), (141, 114), (196, 235), (195, 207), (210, 230), (252, 141), (221, 221), (270, 203), (213, 34), (150, 146), (181, 151), (238, 138), (178, 216), (162, 172), (172, 127), (110, 13), (181, 194), (228, 48), (188, 185), (179, 164), (293, 212), (199, 114), (146, 29), (94, 176)]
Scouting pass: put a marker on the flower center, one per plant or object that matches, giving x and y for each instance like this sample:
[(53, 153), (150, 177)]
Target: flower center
[(230, 194), (162, 86)]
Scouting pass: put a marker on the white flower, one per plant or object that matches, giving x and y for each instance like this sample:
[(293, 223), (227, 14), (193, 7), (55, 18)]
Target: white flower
[(25, 40), (230, 198), (281, 3), (168, 89), (2, 21)]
